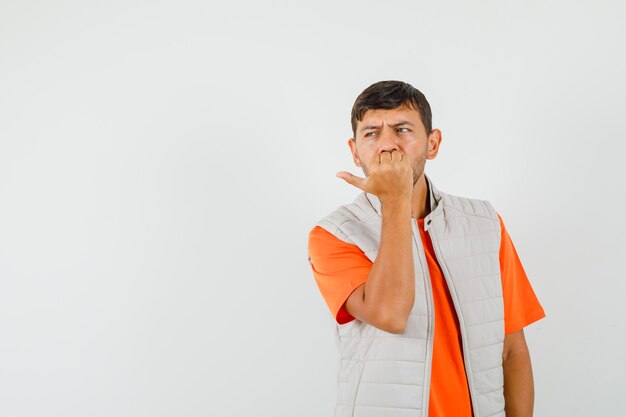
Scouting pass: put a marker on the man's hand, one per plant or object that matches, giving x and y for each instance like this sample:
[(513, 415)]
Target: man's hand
[(390, 177)]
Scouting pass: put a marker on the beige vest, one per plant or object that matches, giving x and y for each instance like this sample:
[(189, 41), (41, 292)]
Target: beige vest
[(388, 375)]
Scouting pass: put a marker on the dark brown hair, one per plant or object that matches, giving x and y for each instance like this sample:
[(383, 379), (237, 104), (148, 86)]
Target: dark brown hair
[(390, 95)]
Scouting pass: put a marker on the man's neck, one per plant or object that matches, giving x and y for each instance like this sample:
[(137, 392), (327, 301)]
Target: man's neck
[(420, 199)]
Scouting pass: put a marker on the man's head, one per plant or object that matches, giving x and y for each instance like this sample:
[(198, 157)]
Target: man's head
[(393, 116), (391, 95)]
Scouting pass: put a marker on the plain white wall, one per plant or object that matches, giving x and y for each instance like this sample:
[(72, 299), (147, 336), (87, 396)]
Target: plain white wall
[(161, 164)]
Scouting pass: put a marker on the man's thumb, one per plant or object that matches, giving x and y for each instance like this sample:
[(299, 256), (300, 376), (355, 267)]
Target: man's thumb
[(351, 179)]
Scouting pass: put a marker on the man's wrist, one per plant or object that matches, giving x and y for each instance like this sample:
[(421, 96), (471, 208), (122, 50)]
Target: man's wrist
[(398, 206)]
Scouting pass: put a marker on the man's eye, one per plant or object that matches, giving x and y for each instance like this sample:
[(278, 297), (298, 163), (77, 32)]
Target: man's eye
[(369, 133), (400, 128)]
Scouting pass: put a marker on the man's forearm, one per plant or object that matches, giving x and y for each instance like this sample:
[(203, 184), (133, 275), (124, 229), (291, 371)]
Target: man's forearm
[(519, 391), (390, 285)]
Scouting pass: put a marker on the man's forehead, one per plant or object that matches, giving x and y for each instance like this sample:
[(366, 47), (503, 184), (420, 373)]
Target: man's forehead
[(390, 116)]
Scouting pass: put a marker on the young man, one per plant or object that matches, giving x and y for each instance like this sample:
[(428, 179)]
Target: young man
[(427, 290)]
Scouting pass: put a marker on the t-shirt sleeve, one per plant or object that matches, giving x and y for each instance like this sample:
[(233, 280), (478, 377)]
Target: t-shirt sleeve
[(338, 267), (521, 306)]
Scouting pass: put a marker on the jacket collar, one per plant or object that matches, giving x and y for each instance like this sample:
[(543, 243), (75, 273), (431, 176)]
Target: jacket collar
[(434, 195)]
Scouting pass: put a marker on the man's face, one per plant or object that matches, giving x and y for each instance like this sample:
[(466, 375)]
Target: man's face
[(401, 130)]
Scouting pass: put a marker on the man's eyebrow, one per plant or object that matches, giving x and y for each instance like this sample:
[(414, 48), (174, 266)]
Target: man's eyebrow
[(400, 123), (369, 127)]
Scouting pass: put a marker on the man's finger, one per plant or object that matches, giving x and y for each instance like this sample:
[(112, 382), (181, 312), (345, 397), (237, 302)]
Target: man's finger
[(351, 179)]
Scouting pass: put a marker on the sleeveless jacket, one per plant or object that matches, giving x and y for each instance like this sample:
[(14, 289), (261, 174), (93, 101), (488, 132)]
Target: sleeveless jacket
[(384, 374)]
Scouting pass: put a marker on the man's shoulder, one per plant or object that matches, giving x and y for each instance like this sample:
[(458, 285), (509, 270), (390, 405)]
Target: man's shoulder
[(351, 219), (359, 210)]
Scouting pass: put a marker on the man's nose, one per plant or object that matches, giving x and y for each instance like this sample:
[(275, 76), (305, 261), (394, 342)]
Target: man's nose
[(387, 142)]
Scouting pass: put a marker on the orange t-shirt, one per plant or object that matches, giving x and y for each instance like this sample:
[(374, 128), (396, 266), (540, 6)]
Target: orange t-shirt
[(340, 267)]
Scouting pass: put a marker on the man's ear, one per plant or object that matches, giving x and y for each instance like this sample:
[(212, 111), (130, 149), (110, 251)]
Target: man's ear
[(434, 140), (355, 154)]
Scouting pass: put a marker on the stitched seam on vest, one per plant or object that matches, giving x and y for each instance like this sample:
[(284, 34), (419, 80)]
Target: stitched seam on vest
[(474, 278), (487, 322), (386, 406), (489, 392), (391, 383), (337, 227), (488, 369), (356, 218), (477, 277), (469, 256), (469, 213), (482, 299), (385, 360), (462, 212), (487, 232), (484, 346), (334, 230), (382, 337)]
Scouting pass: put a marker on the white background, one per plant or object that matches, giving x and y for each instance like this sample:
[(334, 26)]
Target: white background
[(162, 162)]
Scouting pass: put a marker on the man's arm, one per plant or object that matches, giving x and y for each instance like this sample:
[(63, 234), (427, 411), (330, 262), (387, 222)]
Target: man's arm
[(386, 298), (519, 391)]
